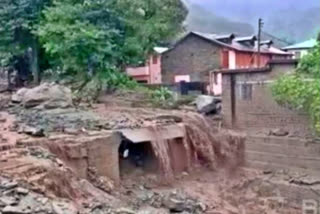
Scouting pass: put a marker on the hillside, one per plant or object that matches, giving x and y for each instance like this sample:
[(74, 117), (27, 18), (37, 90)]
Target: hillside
[(199, 19), (292, 21)]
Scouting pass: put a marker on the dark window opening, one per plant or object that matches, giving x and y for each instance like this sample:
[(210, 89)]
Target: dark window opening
[(142, 81), (215, 78), (154, 59), (246, 91)]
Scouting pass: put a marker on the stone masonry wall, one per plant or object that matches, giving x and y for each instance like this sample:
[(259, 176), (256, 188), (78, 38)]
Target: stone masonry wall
[(82, 153), (193, 56), (267, 152), (261, 113)]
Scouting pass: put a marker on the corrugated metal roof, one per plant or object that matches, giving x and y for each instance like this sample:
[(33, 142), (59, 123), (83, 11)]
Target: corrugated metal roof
[(160, 50), (246, 38), (236, 44), (302, 45)]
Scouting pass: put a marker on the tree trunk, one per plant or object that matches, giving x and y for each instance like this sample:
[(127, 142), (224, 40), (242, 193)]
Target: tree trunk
[(34, 62)]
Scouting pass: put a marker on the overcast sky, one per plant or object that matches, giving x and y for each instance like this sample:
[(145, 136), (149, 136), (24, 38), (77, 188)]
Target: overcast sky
[(249, 10)]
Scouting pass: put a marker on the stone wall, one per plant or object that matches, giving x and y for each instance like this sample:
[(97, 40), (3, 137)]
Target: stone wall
[(256, 110), (192, 56), (82, 153), (268, 152)]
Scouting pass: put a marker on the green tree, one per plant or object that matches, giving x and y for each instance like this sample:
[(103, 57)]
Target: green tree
[(98, 38), (17, 21), (301, 90), (310, 64), (81, 36), (94, 40), (148, 23)]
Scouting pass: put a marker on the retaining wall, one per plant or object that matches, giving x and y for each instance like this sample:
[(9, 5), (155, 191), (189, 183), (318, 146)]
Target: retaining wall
[(268, 152)]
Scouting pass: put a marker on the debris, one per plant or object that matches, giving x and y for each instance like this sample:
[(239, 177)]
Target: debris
[(208, 104), (63, 208), (279, 132), (33, 131), (13, 210), (125, 211), (8, 200), (46, 95), (9, 185)]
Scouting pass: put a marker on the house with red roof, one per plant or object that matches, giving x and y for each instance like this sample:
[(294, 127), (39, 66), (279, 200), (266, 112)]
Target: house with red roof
[(193, 57), (196, 55)]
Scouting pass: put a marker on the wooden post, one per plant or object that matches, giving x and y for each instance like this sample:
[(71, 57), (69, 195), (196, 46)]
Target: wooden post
[(233, 100), (260, 24)]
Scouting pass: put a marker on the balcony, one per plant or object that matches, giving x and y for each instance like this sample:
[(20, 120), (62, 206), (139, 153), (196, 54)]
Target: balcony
[(137, 71)]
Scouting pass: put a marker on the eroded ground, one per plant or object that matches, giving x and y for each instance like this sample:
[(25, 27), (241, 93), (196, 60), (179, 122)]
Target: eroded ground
[(34, 180)]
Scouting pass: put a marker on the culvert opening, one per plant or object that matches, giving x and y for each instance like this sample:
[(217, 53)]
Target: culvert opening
[(136, 158)]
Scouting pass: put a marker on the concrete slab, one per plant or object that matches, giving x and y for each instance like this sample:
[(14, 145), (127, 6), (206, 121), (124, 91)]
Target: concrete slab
[(153, 133)]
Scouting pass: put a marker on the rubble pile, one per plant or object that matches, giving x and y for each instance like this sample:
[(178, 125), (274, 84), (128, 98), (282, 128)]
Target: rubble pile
[(15, 199)]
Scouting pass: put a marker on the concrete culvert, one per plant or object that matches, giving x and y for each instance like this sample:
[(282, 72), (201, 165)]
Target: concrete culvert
[(136, 157)]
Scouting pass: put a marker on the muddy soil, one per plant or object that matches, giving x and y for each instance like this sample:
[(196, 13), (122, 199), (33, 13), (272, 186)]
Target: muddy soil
[(51, 187)]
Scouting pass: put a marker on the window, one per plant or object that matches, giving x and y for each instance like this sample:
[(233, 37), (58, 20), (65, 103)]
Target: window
[(154, 59), (246, 91), (297, 54), (142, 81), (215, 78)]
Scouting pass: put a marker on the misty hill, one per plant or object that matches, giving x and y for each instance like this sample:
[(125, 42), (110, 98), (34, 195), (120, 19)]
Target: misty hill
[(286, 19), (202, 20)]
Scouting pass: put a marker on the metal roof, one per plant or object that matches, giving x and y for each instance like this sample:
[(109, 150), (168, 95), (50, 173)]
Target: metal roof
[(160, 50), (302, 45), (237, 44)]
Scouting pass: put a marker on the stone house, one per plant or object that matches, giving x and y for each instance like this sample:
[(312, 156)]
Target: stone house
[(193, 57)]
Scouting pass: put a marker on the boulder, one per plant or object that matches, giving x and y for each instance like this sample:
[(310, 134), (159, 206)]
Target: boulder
[(208, 104), (64, 208), (18, 97), (279, 132), (14, 210), (33, 131), (46, 95)]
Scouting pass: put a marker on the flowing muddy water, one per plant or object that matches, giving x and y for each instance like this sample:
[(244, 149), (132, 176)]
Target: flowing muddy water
[(203, 144)]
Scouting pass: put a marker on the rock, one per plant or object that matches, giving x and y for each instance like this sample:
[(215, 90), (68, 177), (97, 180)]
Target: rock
[(18, 97), (63, 208), (7, 200), (44, 96), (151, 210), (22, 191), (279, 132), (72, 131), (125, 211), (9, 185), (2, 119), (43, 201), (14, 210), (174, 118), (208, 104), (174, 205), (33, 131)]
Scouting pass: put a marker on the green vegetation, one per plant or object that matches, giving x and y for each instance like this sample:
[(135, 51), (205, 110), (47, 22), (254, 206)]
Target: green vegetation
[(90, 41), (302, 89)]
